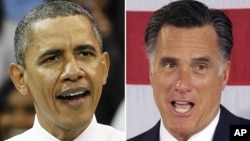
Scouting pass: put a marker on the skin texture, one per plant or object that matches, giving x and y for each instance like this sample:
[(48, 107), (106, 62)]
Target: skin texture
[(187, 67), (18, 115), (63, 57)]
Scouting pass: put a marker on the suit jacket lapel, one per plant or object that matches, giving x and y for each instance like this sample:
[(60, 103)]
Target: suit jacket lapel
[(222, 131), (154, 133)]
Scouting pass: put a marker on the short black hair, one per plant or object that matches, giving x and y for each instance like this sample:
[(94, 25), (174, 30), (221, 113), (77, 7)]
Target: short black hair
[(188, 14)]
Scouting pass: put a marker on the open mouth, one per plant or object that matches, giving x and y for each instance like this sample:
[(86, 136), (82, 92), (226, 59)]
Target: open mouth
[(182, 106), (74, 95)]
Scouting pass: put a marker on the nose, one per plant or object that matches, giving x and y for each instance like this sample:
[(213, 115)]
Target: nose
[(72, 71), (183, 84)]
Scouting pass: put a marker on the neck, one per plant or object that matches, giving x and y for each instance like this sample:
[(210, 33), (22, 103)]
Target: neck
[(182, 138), (67, 135), (60, 132)]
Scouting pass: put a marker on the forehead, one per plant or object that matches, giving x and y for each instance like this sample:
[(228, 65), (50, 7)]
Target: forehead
[(62, 30), (62, 23), (187, 39)]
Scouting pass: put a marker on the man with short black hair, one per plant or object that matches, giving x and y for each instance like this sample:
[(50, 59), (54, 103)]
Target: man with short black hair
[(60, 63)]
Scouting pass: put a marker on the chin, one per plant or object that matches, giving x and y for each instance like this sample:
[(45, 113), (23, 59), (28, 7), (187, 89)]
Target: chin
[(76, 122)]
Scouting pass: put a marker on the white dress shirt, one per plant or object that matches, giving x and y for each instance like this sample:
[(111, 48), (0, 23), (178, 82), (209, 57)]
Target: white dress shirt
[(94, 132), (205, 135)]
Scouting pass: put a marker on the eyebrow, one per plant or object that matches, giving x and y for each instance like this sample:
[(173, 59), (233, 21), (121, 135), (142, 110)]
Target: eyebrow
[(51, 52), (84, 47), (59, 51), (201, 59), (164, 60)]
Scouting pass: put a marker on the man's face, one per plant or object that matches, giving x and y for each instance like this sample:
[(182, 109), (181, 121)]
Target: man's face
[(186, 78), (65, 71)]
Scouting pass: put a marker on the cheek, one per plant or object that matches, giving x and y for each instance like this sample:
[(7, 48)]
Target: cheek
[(161, 83), (162, 87), (209, 90), (93, 71), (42, 82), (47, 79), (93, 74)]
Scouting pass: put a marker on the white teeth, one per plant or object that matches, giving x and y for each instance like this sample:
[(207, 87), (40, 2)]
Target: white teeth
[(74, 94), (180, 110), (181, 102)]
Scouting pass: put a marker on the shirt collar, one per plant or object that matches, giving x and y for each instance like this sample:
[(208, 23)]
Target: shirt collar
[(88, 133), (37, 129), (205, 135)]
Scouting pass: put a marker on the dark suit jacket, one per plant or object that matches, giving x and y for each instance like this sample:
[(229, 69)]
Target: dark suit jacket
[(222, 131)]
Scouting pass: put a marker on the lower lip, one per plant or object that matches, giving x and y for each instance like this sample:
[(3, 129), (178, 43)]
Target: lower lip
[(75, 103)]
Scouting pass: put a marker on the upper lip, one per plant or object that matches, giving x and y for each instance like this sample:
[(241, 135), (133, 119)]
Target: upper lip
[(72, 91)]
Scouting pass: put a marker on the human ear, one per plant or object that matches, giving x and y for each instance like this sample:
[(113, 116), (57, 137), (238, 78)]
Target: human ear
[(16, 73), (105, 67)]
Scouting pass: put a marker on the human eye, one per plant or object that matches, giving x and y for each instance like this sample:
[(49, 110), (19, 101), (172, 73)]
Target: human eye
[(86, 53), (200, 68), (170, 65), (52, 58)]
